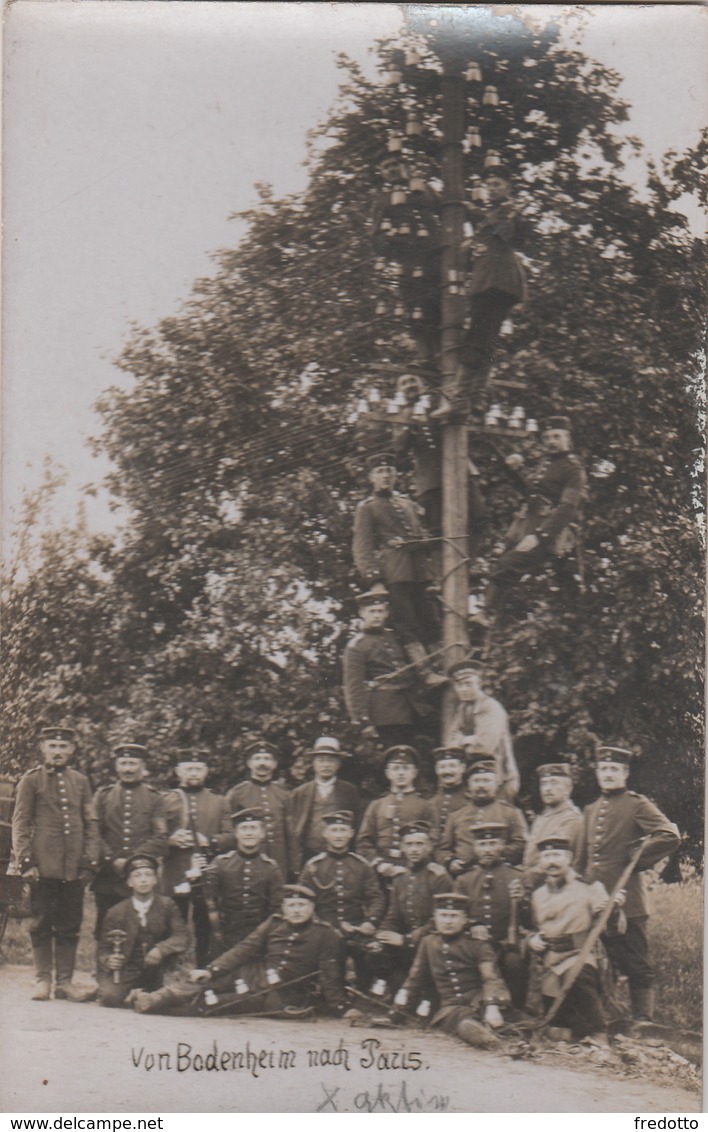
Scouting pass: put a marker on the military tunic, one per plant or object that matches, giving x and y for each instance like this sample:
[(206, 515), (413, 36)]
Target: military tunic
[(54, 823), (163, 929), (274, 801), (372, 693), (291, 951), (248, 889), (201, 810), (458, 841), (564, 820), (410, 905), (487, 721), (447, 801), (452, 964), (346, 886), (378, 520), (379, 837), (487, 890)]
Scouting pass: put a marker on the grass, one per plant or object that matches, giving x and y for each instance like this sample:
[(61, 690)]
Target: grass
[(675, 940)]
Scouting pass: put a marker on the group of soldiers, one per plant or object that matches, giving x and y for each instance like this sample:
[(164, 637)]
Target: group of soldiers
[(304, 898)]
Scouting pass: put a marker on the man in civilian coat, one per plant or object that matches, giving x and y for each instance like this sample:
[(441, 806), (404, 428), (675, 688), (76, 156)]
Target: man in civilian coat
[(55, 844), (326, 793), (611, 830), (131, 819), (153, 932)]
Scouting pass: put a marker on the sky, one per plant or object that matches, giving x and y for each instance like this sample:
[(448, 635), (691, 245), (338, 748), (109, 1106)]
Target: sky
[(133, 130)]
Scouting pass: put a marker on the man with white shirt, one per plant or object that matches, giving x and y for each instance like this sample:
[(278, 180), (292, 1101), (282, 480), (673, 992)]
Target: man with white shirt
[(139, 935), (480, 724), (326, 794)]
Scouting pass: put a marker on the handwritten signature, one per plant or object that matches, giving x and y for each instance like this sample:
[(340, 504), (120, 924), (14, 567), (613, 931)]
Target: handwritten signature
[(382, 1099)]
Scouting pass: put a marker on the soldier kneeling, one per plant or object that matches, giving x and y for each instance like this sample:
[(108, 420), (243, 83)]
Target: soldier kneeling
[(138, 936), (273, 970)]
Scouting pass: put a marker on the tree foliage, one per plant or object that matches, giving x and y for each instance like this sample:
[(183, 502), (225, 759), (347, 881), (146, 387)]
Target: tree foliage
[(221, 610)]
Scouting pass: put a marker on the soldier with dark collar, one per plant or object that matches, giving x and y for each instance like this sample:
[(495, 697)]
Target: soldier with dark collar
[(131, 819), (492, 887), (327, 793), (55, 844), (463, 974), (139, 935), (275, 968), (379, 838), (611, 829), (456, 849), (196, 818), (543, 529), (564, 909), (409, 915), (261, 792), (559, 817), (450, 771), (247, 884), (389, 546), (347, 891), (379, 683), (480, 723)]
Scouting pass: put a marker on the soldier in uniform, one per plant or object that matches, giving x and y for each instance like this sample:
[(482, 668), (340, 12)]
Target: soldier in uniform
[(261, 792), (563, 911), (153, 932), (543, 529), (456, 849), (493, 887), (559, 817), (463, 974), (389, 546), (131, 819), (611, 829), (379, 683), (275, 967), (450, 768), (347, 890), (196, 819), (409, 915), (480, 723), (55, 845), (379, 838), (247, 884), (326, 793)]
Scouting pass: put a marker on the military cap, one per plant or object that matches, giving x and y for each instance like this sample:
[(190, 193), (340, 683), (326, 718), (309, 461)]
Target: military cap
[(327, 745), (295, 890), (339, 817), (554, 770), (481, 763), (441, 753), (253, 813), (66, 734), (418, 826), (189, 755), (401, 754), (487, 830), (468, 665), (140, 861), (130, 751), (554, 843), (614, 755), (373, 597), (261, 747), (556, 422), (451, 901), (381, 460)]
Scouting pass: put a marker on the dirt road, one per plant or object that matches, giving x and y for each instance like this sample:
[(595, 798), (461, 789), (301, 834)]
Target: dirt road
[(62, 1057)]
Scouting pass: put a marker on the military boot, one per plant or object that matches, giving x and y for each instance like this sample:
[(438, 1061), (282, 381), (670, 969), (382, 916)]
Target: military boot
[(65, 958), (153, 1002), (42, 953), (642, 999), (477, 1035)]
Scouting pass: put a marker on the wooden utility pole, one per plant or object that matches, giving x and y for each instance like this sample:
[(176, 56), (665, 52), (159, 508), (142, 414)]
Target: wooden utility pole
[(455, 584)]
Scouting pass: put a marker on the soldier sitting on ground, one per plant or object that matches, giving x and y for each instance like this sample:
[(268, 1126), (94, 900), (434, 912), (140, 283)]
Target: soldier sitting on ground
[(347, 891), (498, 902), (139, 936), (469, 991), (273, 970), (410, 905)]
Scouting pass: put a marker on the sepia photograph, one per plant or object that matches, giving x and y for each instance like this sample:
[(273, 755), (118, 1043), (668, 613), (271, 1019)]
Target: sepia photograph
[(353, 568)]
